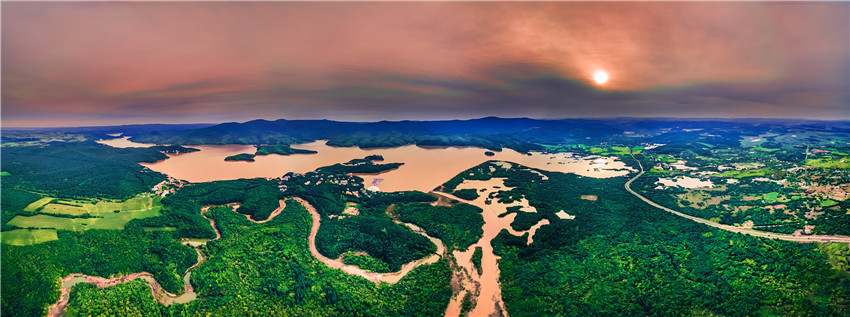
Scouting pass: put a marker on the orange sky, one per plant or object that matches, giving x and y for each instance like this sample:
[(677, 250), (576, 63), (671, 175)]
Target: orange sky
[(166, 62)]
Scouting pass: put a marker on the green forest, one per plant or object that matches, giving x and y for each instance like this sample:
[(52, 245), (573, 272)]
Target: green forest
[(458, 226), (276, 274), (80, 169), (622, 257), (280, 149), (365, 165), (36, 269), (618, 257)]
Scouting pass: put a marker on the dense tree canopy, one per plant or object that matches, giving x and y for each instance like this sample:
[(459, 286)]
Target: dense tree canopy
[(620, 256)]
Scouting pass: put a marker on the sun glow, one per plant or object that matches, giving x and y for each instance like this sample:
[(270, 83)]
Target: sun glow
[(600, 77)]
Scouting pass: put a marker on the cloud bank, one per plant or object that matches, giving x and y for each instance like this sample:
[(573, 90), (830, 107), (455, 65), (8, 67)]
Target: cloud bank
[(133, 62)]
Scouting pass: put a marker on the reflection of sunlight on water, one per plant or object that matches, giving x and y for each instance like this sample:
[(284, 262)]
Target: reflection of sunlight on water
[(424, 168)]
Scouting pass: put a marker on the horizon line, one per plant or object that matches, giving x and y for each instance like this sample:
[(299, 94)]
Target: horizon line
[(2, 126)]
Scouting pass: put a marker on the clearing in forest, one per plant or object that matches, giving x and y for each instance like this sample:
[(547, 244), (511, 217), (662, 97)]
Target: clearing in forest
[(589, 197), (38, 204), (79, 216), (27, 236)]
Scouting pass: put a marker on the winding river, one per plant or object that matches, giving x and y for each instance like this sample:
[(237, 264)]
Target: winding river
[(416, 174), (166, 298), (485, 287), (160, 294), (391, 277)]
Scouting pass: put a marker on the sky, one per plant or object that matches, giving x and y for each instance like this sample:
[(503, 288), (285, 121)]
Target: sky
[(95, 63)]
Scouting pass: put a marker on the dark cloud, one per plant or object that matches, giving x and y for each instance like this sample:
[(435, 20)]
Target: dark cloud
[(107, 63)]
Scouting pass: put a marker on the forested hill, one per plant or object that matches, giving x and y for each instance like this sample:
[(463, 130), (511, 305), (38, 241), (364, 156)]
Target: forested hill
[(486, 132), (493, 133)]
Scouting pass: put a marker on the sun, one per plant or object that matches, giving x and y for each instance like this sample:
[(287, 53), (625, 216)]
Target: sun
[(600, 76)]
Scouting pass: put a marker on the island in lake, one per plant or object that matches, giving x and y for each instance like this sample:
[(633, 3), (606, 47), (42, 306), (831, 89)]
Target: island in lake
[(266, 150)]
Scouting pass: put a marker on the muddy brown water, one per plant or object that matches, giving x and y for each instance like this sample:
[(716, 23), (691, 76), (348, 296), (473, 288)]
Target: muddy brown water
[(123, 143), (377, 278), (486, 285), (424, 168), (162, 296)]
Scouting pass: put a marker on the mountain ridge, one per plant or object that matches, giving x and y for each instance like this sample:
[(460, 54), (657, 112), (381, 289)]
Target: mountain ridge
[(494, 133)]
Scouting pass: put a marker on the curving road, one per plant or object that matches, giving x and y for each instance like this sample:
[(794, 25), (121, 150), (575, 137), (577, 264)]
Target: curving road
[(747, 231)]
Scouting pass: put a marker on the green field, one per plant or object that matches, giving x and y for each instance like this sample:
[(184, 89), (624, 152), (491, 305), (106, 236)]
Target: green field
[(746, 173), (620, 150), (100, 215), (27, 237), (828, 203), (598, 150), (613, 150), (5, 173), (759, 148), (664, 158), (99, 209), (659, 171), (64, 209), (38, 204), (623, 150), (770, 197), (842, 163)]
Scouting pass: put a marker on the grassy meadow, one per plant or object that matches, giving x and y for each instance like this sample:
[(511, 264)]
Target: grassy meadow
[(36, 205), (28, 236), (80, 215)]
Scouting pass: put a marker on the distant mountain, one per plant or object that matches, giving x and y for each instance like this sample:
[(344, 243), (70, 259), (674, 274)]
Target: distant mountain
[(522, 134), (126, 129), (477, 132)]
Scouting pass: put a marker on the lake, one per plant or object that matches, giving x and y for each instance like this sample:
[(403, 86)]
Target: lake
[(424, 168), (123, 143)]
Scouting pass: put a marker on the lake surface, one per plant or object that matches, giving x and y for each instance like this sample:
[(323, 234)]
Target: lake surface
[(424, 168), (123, 143)]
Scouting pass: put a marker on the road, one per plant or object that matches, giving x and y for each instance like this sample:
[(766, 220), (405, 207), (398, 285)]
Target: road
[(747, 231)]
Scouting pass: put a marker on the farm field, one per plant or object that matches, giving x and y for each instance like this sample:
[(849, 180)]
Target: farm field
[(27, 236), (78, 216), (38, 204)]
